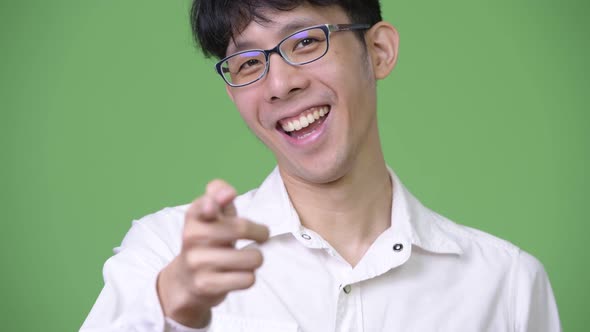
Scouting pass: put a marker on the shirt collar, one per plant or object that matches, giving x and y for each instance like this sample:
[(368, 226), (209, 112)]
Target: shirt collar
[(270, 205), (425, 227)]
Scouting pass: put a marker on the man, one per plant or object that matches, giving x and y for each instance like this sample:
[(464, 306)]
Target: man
[(331, 241)]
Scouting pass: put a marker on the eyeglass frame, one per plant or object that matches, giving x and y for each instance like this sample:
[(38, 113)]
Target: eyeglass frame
[(327, 28)]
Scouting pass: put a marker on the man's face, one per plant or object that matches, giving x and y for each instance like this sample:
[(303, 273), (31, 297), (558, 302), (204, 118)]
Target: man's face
[(340, 84)]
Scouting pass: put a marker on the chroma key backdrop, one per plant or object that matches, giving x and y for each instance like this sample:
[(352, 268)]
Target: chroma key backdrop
[(108, 113)]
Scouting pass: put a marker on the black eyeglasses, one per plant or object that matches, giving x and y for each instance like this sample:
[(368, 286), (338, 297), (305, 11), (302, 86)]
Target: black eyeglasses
[(299, 48)]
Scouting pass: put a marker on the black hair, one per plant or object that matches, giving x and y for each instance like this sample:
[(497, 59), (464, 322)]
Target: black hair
[(214, 22)]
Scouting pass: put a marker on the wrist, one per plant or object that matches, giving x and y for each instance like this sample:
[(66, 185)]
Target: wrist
[(176, 301)]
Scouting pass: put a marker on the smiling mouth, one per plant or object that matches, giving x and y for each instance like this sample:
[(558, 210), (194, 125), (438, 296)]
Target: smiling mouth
[(305, 123)]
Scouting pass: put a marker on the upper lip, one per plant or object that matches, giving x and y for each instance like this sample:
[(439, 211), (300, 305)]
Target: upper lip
[(299, 110)]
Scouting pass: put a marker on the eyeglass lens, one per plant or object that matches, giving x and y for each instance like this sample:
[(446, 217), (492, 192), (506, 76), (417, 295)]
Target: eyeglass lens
[(300, 48)]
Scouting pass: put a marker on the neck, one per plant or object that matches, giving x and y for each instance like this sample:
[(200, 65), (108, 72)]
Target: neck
[(349, 213)]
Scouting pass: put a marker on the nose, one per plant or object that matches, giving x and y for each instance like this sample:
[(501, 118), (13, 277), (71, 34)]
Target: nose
[(283, 80)]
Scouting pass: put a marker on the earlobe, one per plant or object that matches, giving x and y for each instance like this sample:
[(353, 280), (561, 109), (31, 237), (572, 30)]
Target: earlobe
[(382, 42)]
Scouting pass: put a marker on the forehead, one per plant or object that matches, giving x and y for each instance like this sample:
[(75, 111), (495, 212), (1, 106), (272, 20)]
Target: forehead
[(267, 34)]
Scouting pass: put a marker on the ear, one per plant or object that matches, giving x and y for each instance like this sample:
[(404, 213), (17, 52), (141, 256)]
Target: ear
[(382, 42)]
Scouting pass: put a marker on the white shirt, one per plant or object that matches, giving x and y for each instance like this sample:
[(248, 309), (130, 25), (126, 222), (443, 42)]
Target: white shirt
[(424, 273)]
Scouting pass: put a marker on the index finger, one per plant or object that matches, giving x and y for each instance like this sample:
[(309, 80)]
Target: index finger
[(203, 208), (250, 230), (222, 192), (215, 203)]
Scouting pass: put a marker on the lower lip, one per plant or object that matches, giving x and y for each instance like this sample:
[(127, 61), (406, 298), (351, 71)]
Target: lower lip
[(311, 137)]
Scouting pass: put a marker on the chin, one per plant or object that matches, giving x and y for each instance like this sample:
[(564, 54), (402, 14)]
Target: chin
[(318, 172)]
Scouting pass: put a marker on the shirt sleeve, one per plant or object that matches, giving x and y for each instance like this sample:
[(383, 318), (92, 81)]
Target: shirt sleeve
[(129, 299), (535, 307)]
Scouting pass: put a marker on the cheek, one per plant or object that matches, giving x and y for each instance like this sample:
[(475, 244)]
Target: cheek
[(351, 71), (246, 116), (354, 87), (247, 107)]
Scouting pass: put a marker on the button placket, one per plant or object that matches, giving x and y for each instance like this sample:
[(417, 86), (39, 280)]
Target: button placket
[(348, 314)]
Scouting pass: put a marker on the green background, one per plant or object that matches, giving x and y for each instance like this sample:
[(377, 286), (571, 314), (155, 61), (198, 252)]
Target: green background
[(109, 113)]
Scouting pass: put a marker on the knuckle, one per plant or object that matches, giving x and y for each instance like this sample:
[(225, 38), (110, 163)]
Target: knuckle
[(194, 208), (220, 190), (195, 260), (194, 233), (187, 231), (207, 205), (203, 208), (214, 185), (204, 286), (205, 200), (187, 243)]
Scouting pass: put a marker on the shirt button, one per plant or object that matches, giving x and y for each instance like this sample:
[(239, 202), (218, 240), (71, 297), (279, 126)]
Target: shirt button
[(398, 247), (347, 289), (306, 236)]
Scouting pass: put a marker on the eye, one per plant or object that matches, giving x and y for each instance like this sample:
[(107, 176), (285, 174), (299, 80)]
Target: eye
[(250, 66), (249, 63), (305, 42)]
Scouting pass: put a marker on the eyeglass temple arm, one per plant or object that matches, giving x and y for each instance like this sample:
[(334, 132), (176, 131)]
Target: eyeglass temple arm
[(345, 27)]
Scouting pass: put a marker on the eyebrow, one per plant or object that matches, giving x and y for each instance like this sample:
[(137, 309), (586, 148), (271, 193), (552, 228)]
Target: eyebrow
[(285, 30), (296, 25)]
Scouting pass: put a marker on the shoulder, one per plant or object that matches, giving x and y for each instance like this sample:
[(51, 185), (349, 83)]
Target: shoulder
[(243, 201), (475, 241), (488, 251), (531, 300), (160, 230), (523, 269)]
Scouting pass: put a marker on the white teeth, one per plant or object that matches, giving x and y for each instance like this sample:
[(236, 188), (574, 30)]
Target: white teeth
[(288, 127), (305, 120)]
